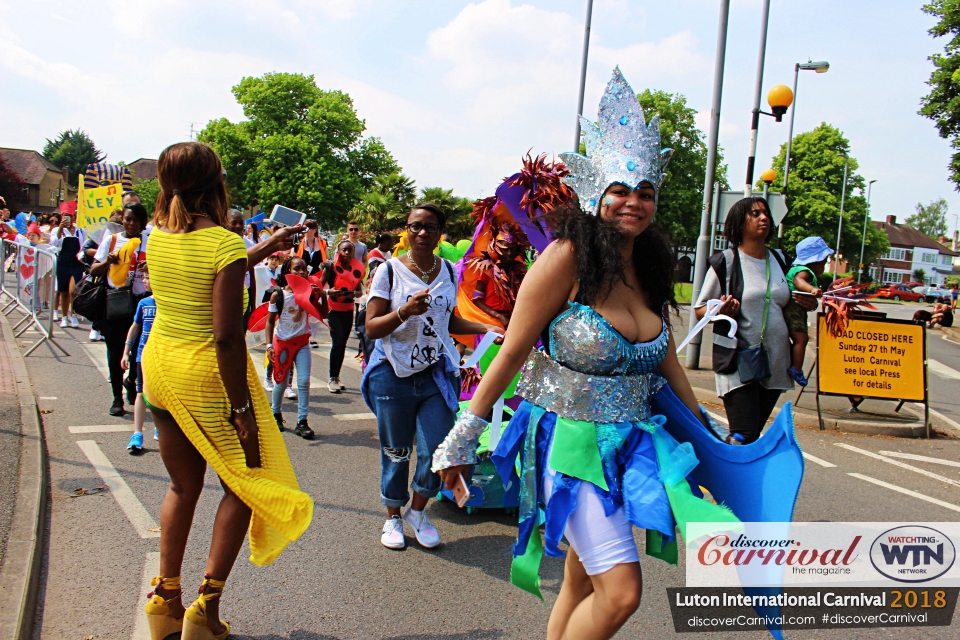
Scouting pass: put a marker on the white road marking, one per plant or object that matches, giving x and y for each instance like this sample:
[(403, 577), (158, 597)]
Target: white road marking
[(947, 338), (908, 492), (103, 428), (717, 417), (354, 416), (349, 361), (151, 569), (815, 459), (942, 370), (98, 356), (911, 456), (131, 506), (48, 397), (917, 410), (909, 467)]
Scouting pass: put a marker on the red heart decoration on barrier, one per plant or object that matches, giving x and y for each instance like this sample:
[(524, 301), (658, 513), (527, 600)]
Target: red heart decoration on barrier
[(26, 271), (28, 257)]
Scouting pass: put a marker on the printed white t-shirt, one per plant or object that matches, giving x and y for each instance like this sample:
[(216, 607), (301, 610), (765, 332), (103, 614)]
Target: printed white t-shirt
[(292, 321), (135, 275), (421, 340)]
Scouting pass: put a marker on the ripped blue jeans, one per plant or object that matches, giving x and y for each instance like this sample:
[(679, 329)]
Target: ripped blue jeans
[(409, 410)]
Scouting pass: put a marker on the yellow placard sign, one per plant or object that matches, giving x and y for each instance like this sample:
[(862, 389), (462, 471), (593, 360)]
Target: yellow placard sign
[(95, 205), (873, 358)]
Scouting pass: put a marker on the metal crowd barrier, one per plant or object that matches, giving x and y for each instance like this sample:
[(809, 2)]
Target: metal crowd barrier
[(28, 278)]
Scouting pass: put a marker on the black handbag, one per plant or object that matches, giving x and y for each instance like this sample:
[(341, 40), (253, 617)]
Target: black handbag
[(121, 303), (91, 297), (752, 362)]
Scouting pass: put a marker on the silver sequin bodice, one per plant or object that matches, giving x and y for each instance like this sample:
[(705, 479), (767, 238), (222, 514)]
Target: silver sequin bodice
[(593, 373), (581, 339)]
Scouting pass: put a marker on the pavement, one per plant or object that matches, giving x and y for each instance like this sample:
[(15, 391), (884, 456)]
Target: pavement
[(337, 581)]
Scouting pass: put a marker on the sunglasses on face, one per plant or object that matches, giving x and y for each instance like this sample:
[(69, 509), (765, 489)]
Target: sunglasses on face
[(416, 227), (352, 229)]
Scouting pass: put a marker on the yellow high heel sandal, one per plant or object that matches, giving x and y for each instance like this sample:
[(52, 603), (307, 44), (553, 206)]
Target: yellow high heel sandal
[(159, 620), (195, 621)]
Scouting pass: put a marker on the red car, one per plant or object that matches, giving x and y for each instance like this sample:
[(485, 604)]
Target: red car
[(899, 292)]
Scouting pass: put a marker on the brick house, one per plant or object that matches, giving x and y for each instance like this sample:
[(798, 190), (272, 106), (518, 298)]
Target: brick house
[(47, 185), (911, 250), (143, 169)]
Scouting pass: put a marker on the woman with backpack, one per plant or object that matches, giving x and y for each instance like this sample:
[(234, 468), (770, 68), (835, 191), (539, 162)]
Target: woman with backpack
[(751, 368), (412, 381)]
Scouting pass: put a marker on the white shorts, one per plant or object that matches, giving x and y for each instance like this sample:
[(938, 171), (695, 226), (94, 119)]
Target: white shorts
[(601, 541)]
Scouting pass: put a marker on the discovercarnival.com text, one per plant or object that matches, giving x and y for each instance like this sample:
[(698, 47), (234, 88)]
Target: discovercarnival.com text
[(699, 609)]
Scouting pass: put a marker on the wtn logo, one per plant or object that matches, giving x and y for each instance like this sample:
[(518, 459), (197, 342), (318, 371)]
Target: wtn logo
[(899, 553)]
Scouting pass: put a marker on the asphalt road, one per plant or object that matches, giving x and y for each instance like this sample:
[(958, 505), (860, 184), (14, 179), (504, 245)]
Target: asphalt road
[(337, 581)]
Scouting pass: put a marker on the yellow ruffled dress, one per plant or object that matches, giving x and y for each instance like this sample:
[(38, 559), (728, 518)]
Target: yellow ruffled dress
[(182, 376)]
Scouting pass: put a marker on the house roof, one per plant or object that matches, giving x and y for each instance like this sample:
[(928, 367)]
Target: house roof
[(28, 164), (903, 235), (143, 169)]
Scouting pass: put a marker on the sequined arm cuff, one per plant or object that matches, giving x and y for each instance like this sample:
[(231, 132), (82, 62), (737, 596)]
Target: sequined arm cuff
[(460, 445)]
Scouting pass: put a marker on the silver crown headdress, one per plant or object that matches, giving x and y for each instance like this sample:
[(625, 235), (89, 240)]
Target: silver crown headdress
[(623, 149)]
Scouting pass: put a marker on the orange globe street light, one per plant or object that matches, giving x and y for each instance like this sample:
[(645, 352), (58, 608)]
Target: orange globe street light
[(768, 175), (780, 98)]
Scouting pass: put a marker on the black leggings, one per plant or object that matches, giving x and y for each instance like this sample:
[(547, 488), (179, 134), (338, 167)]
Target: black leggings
[(115, 335), (748, 408), (341, 323)]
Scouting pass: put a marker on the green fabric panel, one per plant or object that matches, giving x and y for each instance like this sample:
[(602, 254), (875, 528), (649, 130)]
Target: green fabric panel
[(525, 569), (687, 508), (656, 548), (576, 453), (485, 361)]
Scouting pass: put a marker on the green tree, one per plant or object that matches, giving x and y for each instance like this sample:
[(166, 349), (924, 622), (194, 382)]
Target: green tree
[(386, 202), (74, 150), (930, 219), (816, 182), (919, 275), (299, 146), (681, 197), (459, 222), (942, 104), (148, 191)]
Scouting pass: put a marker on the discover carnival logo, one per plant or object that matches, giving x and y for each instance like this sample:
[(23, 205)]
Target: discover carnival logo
[(912, 554)]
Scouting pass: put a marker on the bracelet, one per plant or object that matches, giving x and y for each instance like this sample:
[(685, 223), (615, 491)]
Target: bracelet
[(400, 317), (130, 344), (243, 409), (460, 445)]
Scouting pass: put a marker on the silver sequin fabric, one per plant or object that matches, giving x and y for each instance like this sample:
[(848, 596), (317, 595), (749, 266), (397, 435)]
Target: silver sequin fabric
[(583, 340), (622, 149), (594, 373), (460, 445)]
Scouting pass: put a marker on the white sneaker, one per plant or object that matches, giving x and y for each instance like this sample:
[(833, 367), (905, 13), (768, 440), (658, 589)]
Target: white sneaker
[(63, 322), (290, 394), (427, 534), (334, 385), (56, 316), (268, 383), (94, 335), (74, 323), (392, 537)]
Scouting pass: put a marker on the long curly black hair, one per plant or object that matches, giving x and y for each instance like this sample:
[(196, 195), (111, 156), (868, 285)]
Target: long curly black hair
[(599, 264), (285, 269)]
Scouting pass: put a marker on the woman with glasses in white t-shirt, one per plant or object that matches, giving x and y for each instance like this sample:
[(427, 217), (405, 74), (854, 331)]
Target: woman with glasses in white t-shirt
[(412, 383)]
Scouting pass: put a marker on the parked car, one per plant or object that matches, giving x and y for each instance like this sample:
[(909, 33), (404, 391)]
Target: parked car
[(899, 292), (936, 294)]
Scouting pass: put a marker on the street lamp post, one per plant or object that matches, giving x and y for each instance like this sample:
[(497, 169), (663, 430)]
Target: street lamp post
[(583, 73), (703, 248), (863, 239), (843, 195), (755, 122), (821, 66)]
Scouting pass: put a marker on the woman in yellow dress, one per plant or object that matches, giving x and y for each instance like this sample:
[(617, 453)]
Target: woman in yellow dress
[(205, 398)]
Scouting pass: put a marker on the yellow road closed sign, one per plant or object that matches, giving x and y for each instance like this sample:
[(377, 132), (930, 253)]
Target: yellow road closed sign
[(873, 359)]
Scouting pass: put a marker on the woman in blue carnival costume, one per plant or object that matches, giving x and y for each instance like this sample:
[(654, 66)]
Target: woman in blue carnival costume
[(592, 455)]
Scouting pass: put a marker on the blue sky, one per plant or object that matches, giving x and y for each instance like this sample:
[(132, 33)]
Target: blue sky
[(460, 91)]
